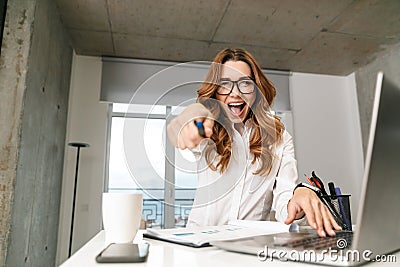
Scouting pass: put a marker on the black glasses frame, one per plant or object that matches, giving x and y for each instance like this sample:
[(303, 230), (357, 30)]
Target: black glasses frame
[(237, 86)]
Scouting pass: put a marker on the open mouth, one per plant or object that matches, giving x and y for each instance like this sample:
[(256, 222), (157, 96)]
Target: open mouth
[(237, 108)]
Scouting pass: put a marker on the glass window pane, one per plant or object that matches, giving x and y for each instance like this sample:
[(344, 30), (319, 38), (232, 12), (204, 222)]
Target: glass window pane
[(119, 176), (176, 110), (137, 152), (137, 162), (185, 184), (185, 169)]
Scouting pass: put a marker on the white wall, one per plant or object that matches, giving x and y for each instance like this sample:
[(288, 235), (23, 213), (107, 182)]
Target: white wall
[(327, 131), (87, 122)]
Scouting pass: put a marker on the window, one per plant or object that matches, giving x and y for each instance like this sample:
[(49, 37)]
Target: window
[(137, 163), (158, 181)]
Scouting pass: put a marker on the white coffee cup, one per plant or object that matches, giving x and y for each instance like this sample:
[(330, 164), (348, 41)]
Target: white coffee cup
[(121, 216)]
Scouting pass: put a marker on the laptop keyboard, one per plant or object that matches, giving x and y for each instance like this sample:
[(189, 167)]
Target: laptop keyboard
[(342, 240)]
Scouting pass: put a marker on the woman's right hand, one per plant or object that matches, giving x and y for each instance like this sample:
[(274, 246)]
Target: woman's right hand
[(182, 130)]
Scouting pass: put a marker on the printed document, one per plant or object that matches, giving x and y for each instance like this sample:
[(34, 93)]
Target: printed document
[(202, 236)]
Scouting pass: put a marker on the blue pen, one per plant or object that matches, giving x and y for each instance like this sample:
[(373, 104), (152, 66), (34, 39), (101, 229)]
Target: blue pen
[(342, 209), (200, 127)]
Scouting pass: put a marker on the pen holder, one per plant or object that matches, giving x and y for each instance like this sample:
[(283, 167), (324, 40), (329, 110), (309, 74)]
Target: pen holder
[(341, 204)]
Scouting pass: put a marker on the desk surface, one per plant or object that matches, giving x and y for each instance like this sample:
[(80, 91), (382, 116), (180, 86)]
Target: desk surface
[(168, 254)]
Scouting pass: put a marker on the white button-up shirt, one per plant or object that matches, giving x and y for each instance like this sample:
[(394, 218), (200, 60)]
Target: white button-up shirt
[(238, 193)]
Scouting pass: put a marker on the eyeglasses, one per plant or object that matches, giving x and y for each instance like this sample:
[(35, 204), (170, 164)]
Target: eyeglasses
[(245, 86)]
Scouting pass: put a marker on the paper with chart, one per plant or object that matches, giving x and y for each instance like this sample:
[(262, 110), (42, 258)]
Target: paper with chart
[(202, 236)]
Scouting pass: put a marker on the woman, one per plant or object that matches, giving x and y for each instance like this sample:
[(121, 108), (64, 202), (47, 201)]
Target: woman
[(246, 158)]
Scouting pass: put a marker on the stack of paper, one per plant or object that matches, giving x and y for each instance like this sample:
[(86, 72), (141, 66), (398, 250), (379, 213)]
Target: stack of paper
[(202, 236)]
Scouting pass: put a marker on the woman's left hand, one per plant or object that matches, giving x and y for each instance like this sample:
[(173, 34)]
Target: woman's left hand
[(305, 201)]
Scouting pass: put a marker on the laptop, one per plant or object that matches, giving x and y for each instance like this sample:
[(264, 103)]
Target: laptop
[(377, 230)]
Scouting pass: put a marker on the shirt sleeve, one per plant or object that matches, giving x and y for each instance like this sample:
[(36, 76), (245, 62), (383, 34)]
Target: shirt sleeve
[(286, 178)]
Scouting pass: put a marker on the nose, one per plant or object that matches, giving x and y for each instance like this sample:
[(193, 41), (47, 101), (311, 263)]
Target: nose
[(235, 89)]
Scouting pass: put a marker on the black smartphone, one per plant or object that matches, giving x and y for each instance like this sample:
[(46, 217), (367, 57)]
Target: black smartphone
[(120, 253)]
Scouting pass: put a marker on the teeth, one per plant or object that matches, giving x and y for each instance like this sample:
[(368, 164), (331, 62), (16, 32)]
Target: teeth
[(235, 104), (236, 108)]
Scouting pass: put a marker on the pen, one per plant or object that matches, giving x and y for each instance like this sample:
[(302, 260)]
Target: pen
[(335, 201), (308, 179), (332, 191), (332, 210), (345, 215), (317, 181), (200, 127), (327, 201)]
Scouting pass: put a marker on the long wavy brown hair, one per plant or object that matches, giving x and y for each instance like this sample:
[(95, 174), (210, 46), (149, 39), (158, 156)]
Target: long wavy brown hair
[(266, 128)]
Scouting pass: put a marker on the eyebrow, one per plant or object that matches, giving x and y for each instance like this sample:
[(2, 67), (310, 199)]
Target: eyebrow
[(241, 78)]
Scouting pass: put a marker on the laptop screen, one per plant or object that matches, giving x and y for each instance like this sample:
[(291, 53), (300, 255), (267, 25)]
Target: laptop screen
[(378, 225)]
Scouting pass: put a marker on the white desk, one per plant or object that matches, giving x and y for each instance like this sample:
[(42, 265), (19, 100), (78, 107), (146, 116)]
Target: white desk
[(168, 254)]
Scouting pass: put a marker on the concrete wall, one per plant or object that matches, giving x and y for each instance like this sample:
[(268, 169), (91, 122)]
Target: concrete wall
[(13, 64), (389, 62), (87, 122), (327, 131), (34, 73)]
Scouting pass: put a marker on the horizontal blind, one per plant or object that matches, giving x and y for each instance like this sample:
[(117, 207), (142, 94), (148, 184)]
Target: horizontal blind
[(167, 83)]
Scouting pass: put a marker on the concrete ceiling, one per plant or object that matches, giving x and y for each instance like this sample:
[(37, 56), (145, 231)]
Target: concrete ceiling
[(318, 36)]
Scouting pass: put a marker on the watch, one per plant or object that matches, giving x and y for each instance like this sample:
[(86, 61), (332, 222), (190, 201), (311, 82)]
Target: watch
[(313, 188)]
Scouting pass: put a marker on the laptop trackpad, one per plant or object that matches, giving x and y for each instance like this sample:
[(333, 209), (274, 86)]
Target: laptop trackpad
[(283, 238)]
